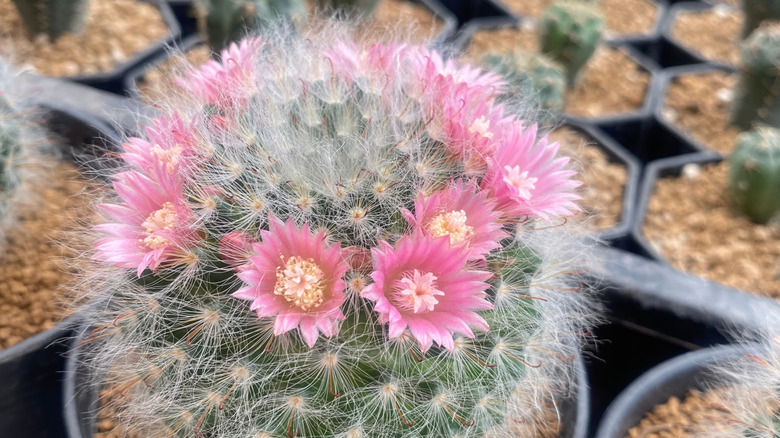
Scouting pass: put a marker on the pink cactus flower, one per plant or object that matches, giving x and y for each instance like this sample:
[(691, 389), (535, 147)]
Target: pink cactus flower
[(424, 284), (227, 83), (235, 249), (153, 226), (297, 278), (527, 179), (463, 213)]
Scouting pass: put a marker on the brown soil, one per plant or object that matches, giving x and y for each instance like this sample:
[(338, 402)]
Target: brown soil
[(611, 83), (31, 269), (417, 22), (691, 222), (699, 104), (714, 33), (623, 17), (114, 31), (697, 415), (603, 181), (156, 81)]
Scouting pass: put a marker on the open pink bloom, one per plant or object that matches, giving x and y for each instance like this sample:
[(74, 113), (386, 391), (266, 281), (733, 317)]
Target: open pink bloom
[(225, 83), (297, 278), (424, 284), (464, 214), (528, 179), (153, 226)]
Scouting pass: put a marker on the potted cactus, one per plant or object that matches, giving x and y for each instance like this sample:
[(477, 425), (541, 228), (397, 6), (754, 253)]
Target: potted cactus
[(325, 239)]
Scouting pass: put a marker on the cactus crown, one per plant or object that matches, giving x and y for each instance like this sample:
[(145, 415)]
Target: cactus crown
[(754, 174), (227, 21), (758, 11), (325, 240), (531, 74), (569, 32), (758, 90), (52, 17)]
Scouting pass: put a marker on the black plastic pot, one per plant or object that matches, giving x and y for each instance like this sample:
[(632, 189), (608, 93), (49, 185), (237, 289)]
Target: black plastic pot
[(31, 388), (653, 313), (668, 27), (80, 397), (114, 80), (672, 378)]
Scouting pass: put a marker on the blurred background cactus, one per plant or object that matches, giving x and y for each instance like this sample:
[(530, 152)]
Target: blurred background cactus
[(321, 239), (10, 149), (754, 174), (569, 32), (52, 17), (531, 74), (349, 8), (226, 21), (757, 97), (758, 11)]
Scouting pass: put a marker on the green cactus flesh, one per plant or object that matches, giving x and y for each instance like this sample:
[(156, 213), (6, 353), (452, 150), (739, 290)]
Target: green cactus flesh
[(227, 21), (9, 151), (361, 8), (757, 97), (569, 32), (534, 74), (756, 12), (52, 17), (754, 174)]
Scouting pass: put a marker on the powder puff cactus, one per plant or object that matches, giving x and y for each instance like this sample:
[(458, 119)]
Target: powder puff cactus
[(323, 239)]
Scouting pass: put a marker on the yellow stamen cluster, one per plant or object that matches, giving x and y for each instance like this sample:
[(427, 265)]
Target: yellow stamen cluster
[(162, 219), (451, 224), (300, 282)]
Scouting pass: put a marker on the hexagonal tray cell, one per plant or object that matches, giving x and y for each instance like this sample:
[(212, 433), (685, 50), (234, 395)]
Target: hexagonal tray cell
[(615, 82), (686, 219), (695, 102), (710, 33), (108, 48), (610, 178), (624, 18)]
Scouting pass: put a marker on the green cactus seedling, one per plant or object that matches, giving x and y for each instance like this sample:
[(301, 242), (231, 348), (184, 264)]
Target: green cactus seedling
[(569, 32), (758, 90), (530, 72), (754, 174), (350, 8), (756, 12), (52, 17), (227, 21)]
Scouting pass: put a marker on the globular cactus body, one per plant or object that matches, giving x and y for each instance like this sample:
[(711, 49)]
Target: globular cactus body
[(531, 74), (757, 97), (349, 8), (326, 240), (754, 174), (758, 11), (569, 32), (53, 17), (227, 21)]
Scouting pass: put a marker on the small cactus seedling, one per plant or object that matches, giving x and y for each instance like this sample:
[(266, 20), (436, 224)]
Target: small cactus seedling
[(322, 239), (754, 174), (569, 32), (349, 8), (531, 74), (758, 11), (757, 97), (52, 17), (227, 21)]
